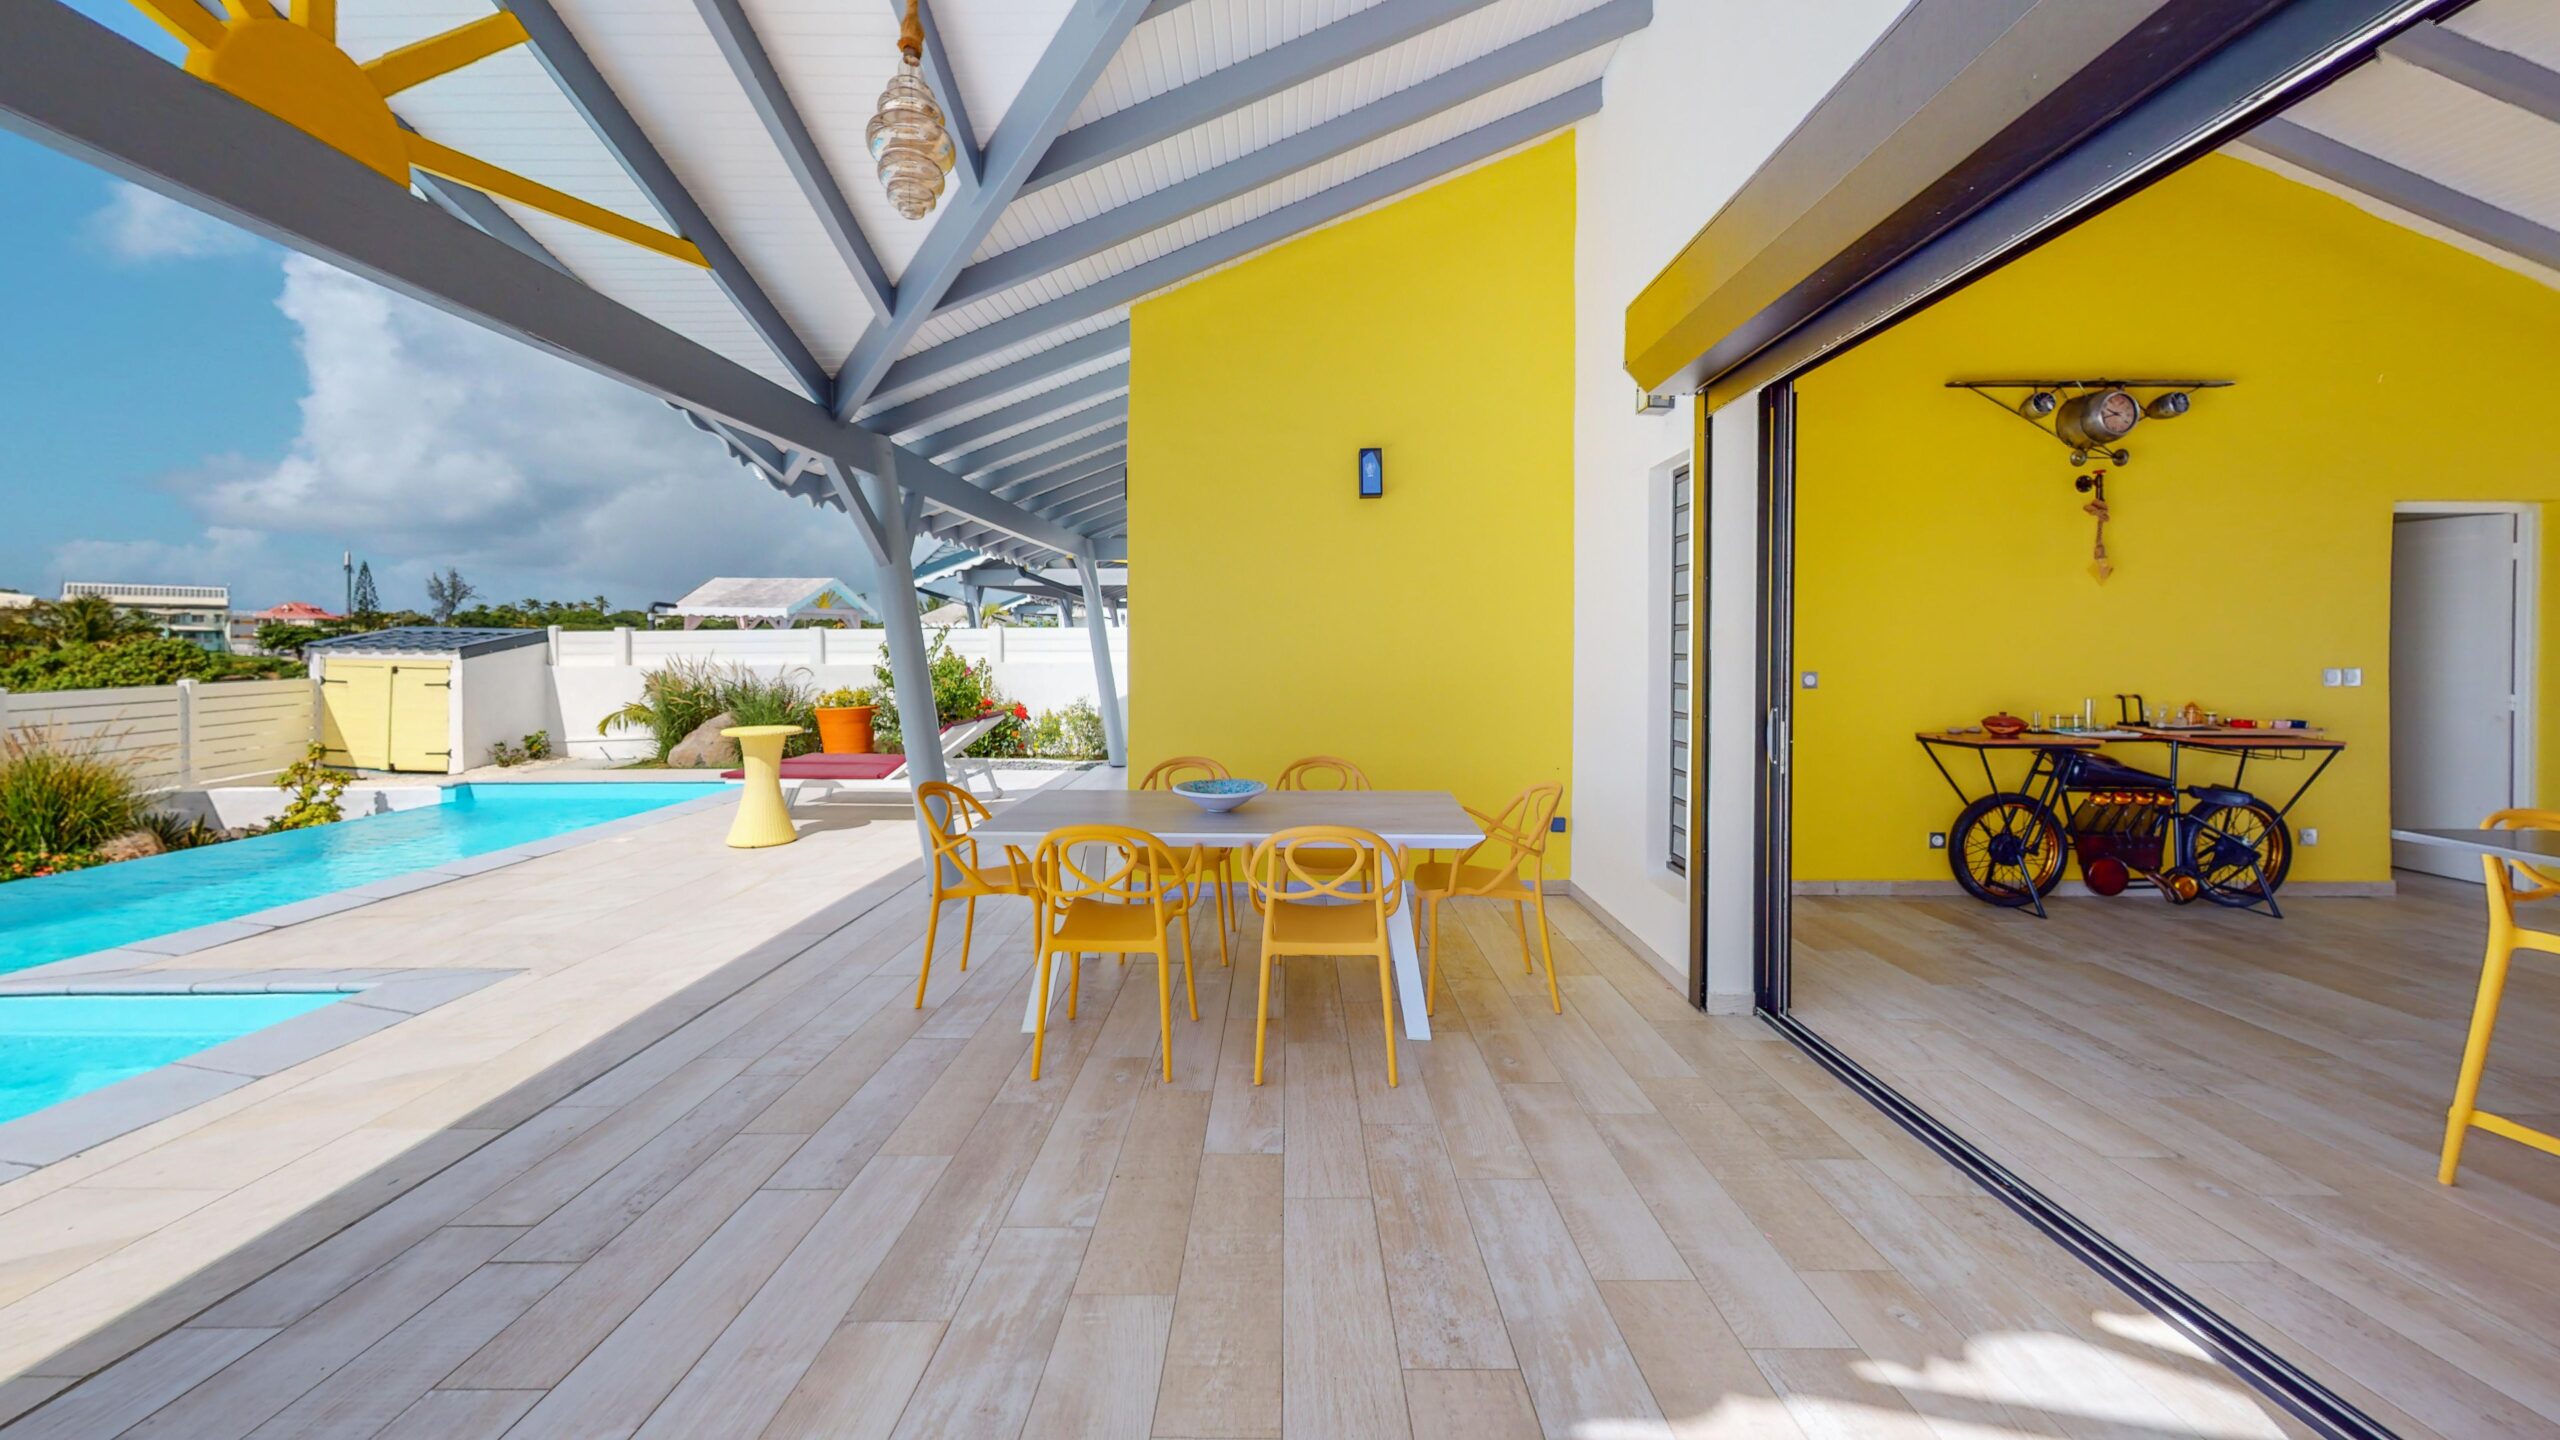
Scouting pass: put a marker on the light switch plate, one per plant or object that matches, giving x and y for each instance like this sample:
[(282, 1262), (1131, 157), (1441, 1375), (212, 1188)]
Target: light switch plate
[(2333, 677), (1812, 680), (2355, 675)]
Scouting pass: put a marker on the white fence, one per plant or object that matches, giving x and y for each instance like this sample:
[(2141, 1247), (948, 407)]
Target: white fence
[(595, 672), (182, 734)]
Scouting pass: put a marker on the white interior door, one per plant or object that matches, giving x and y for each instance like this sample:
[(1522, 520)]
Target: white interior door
[(2453, 681)]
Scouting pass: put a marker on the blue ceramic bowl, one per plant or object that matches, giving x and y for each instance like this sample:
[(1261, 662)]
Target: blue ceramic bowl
[(1218, 796)]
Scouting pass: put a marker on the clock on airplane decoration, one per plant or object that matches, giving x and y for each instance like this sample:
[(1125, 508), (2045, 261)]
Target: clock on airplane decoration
[(2090, 418)]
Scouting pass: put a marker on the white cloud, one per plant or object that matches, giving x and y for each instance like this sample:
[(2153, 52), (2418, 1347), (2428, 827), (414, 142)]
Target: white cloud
[(426, 441), (222, 553), (139, 225)]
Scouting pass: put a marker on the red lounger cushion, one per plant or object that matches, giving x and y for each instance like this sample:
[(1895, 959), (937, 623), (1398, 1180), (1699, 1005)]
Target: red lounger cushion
[(832, 767)]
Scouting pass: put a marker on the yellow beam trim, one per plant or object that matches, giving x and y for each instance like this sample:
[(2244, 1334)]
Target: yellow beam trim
[(320, 17), (185, 20), (249, 9), (442, 54), (480, 175)]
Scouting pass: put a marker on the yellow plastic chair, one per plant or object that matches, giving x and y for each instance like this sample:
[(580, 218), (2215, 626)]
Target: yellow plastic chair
[(1332, 906), (1521, 832), (1322, 772), (2506, 937), (950, 813), (1126, 907), (1219, 864)]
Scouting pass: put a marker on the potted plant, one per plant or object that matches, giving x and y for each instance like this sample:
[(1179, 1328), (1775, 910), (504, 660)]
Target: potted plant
[(844, 722)]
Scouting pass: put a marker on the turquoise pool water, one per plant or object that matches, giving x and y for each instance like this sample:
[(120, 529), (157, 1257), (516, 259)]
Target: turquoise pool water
[(53, 1047), (64, 915)]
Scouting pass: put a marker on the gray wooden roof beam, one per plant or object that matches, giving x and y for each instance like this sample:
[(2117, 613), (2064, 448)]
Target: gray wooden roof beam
[(1389, 180), (1477, 78), (557, 48), (737, 40), (1257, 77), (1004, 380)]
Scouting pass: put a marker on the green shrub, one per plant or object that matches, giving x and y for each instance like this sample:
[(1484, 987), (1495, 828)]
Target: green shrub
[(144, 660), (176, 833), (537, 746), (314, 789), (961, 691), (1074, 733), (33, 864), (61, 797), (674, 700), (678, 696)]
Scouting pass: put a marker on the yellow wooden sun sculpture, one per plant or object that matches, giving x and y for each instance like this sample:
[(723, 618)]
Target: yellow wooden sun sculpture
[(290, 66)]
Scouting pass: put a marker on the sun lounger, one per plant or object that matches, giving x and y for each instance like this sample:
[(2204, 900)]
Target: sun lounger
[(798, 770)]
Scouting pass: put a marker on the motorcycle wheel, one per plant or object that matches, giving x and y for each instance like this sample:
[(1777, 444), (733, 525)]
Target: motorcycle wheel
[(2240, 853), (2006, 849)]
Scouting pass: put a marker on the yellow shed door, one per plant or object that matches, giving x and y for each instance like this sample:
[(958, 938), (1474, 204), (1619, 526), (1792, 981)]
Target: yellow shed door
[(421, 737), (355, 713), (387, 715)]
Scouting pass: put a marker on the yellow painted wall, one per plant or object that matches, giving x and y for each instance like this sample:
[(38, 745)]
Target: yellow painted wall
[(1426, 635), (1942, 554)]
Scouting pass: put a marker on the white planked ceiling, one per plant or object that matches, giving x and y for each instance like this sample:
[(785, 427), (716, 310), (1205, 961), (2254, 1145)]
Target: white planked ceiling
[(833, 57), (2444, 131)]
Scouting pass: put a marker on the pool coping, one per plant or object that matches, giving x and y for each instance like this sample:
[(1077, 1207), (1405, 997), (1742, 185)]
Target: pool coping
[(137, 953), (374, 1000)]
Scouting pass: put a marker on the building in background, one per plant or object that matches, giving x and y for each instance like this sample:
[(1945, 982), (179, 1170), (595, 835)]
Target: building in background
[(244, 628), (199, 614)]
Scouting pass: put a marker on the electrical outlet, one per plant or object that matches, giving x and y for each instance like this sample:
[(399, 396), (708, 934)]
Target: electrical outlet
[(1937, 839), (2355, 675), (1812, 680), (2310, 835), (2333, 677)]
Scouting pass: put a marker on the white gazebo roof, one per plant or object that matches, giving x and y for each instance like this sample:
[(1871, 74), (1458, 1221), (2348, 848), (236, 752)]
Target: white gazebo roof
[(778, 600)]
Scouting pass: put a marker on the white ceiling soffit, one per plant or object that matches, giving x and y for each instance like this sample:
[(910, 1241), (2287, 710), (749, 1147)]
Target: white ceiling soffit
[(664, 63), (2440, 135)]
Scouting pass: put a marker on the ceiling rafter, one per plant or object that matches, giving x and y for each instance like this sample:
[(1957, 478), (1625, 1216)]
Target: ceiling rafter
[(1004, 380), (614, 126), (736, 37), (2431, 200), (1109, 482), (1256, 168), (1111, 381), (1060, 453), (1071, 453), (1420, 168), (2502, 75), (967, 157), (1085, 42), (1231, 88), (1067, 427), (1109, 462)]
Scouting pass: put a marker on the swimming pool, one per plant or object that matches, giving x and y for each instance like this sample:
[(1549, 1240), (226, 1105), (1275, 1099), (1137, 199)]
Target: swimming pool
[(53, 1047), (60, 916)]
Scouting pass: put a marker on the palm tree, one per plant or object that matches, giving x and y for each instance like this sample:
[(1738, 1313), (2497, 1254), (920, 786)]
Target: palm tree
[(90, 620)]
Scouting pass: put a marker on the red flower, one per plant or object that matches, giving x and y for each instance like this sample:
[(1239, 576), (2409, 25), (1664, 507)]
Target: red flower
[(986, 703), (1021, 711)]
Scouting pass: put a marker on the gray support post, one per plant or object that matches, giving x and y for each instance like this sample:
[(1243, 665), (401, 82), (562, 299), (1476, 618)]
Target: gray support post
[(894, 593), (1115, 725), (974, 597)]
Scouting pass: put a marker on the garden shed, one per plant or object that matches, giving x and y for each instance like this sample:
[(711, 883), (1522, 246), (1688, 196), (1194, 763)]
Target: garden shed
[(429, 698)]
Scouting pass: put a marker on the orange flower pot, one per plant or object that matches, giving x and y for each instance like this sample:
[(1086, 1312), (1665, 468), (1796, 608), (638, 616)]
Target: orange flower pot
[(845, 729)]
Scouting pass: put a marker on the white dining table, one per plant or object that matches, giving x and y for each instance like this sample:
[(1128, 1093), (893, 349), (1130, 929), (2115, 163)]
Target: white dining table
[(1418, 820)]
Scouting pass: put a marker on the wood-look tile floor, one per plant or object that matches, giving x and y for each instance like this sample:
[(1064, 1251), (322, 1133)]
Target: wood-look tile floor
[(811, 1209), (2252, 1108)]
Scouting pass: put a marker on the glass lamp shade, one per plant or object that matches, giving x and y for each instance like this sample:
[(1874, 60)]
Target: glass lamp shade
[(910, 144)]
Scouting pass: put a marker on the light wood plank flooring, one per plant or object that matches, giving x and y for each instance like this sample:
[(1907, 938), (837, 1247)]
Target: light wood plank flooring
[(2251, 1107), (793, 1205)]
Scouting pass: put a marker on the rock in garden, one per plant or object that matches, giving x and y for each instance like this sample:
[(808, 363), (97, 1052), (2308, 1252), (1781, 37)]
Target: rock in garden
[(131, 845), (704, 747)]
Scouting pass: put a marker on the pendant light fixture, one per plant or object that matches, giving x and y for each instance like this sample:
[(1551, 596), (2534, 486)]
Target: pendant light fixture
[(907, 137)]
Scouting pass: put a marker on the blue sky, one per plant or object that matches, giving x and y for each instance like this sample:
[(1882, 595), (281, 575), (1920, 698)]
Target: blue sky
[(188, 404)]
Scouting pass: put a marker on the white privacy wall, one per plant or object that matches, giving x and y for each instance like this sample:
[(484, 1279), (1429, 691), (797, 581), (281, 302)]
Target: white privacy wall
[(596, 672), (1692, 105), (168, 736)]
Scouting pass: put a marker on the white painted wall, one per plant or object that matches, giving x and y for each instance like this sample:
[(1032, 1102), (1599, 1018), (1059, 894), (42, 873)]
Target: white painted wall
[(600, 671), (503, 695), (1693, 104)]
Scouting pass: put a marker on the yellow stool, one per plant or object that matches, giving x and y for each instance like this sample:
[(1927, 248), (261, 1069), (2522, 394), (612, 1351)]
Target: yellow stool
[(762, 817), (2506, 937)]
